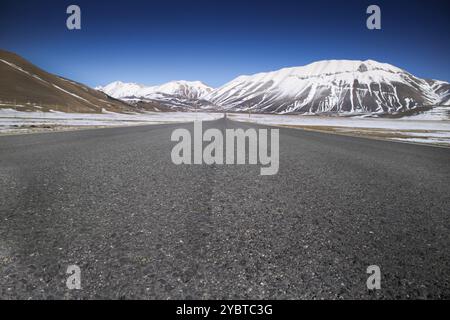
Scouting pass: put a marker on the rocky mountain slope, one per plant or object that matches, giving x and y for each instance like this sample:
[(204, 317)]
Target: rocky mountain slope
[(23, 86)]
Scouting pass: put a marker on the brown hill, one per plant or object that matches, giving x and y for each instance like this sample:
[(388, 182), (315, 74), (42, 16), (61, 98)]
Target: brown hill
[(25, 87)]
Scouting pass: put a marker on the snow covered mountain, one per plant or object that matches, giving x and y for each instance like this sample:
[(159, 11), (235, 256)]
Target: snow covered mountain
[(185, 94), (331, 86), (119, 89)]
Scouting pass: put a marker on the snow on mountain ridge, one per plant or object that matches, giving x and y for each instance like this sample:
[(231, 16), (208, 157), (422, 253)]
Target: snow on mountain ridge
[(119, 89), (182, 88), (326, 67)]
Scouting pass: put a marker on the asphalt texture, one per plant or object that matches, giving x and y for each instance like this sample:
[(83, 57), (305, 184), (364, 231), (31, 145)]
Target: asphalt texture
[(139, 227)]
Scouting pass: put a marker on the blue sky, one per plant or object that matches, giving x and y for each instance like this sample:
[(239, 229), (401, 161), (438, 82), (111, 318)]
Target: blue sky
[(152, 42)]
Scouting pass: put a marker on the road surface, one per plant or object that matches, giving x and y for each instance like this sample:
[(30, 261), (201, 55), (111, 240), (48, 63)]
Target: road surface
[(140, 227)]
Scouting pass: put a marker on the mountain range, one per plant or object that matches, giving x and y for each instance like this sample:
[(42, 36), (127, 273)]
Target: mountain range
[(175, 95), (330, 86)]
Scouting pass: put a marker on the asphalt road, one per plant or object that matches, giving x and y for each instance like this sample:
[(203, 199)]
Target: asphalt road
[(138, 226)]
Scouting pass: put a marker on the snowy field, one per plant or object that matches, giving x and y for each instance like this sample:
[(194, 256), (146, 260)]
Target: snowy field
[(416, 129), (420, 129), (12, 121)]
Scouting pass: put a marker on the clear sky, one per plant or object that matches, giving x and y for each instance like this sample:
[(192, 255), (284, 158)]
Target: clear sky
[(152, 42)]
